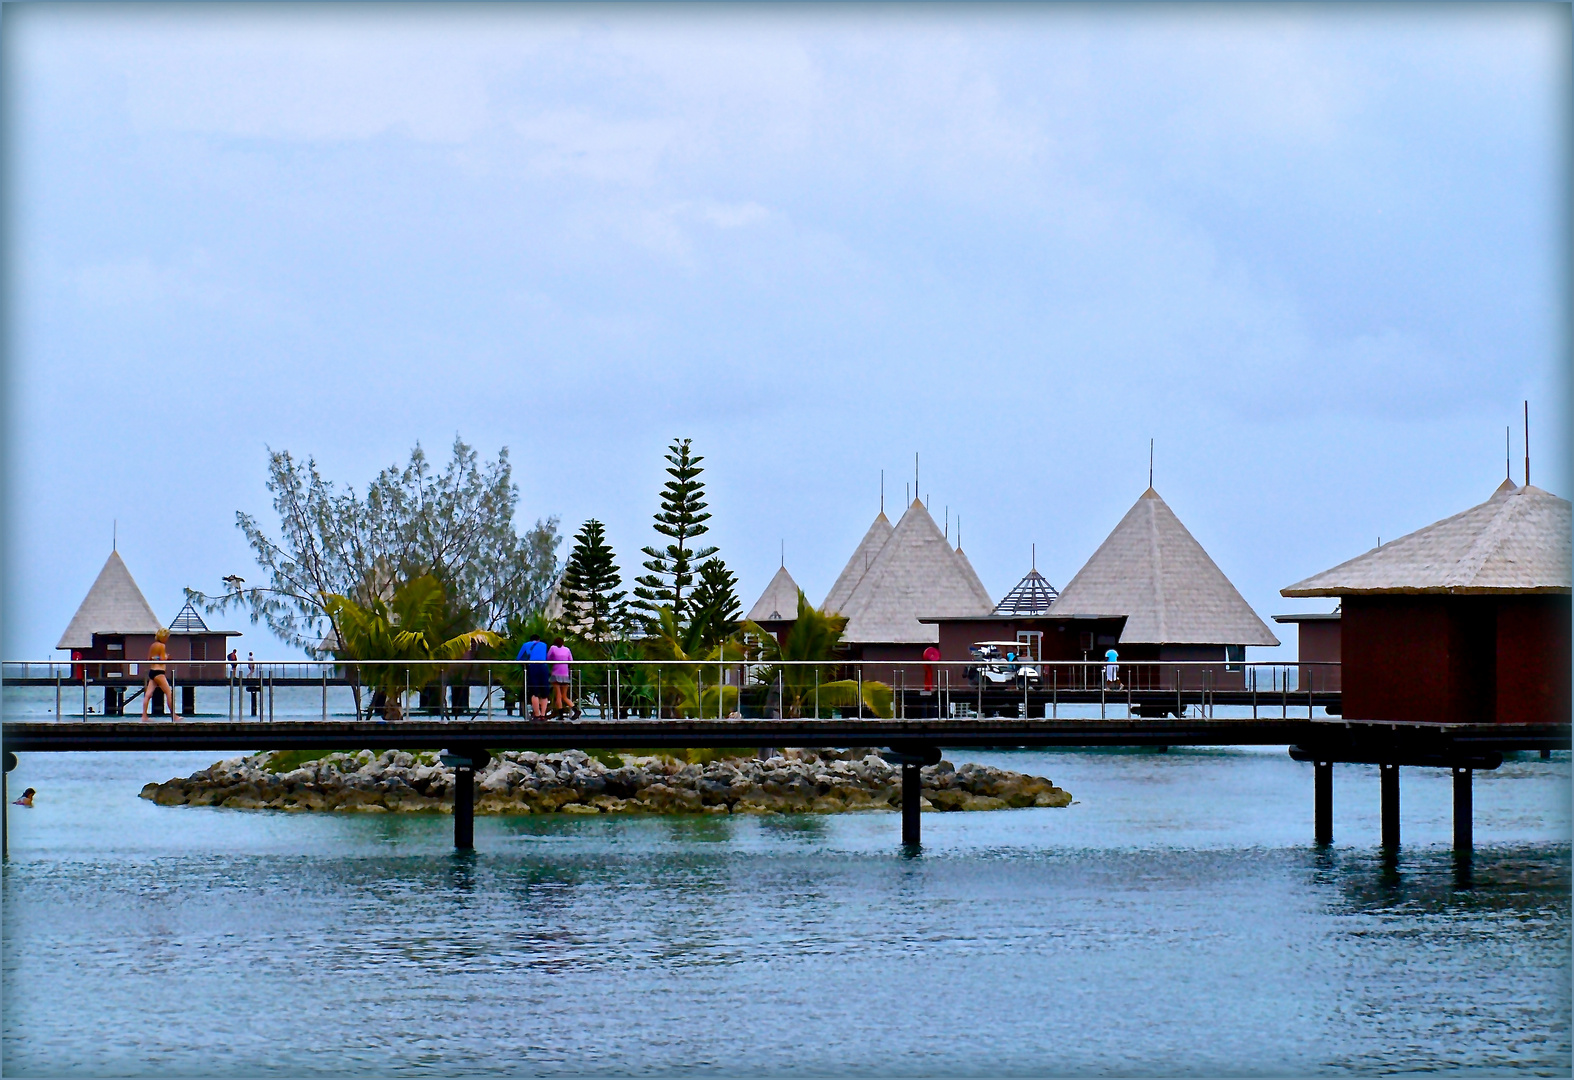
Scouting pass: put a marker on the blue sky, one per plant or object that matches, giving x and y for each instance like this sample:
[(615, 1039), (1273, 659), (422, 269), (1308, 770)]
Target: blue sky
[(1317, 253)]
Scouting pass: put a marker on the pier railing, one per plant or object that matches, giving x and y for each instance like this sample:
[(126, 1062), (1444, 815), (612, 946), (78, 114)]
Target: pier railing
[(719, 689)]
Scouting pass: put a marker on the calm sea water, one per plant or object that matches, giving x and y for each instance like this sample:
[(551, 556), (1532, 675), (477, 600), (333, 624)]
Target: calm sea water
[(1176, 919)]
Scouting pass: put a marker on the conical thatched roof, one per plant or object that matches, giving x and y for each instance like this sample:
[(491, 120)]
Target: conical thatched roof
[(863, 558), (915, 573), (114, 605), (1515, 542), (1153, 570), (779, 601), (967, 569), (1031, 596)]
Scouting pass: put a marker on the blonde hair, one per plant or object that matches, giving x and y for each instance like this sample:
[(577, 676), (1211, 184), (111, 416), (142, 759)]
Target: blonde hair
[(162, 635)]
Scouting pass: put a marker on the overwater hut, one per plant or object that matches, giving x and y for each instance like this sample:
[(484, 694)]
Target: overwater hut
[(1317, 647), (777, 608), (115, 626), (1464, 621), (914, 572), (1177, 603)]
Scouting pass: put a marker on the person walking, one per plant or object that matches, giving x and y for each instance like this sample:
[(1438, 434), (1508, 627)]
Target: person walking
[(533, 654), (1112, 668), (557, 656), (157, 677)]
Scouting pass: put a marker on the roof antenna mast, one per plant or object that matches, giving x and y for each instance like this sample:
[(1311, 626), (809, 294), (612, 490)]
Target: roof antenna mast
[(1508, 470), (1527, 443), (114, 534), (1150, 463), (882, 491), (784, 553), (1035, 556), (915, 474)]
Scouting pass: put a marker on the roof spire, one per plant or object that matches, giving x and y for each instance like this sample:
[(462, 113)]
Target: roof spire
[(882, 491), (947, 532), (784, 552), (1508, 470), (1035, 557), (1150, 462), (915, 474), (114, 534), (1527, 443)]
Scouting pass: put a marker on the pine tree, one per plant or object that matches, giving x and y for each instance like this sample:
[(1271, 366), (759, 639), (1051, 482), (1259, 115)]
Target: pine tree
[(714, 602), (682, 520), (592, 604)]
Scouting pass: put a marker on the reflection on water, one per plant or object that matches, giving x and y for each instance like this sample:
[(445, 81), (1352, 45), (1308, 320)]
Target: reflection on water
[(1177, 919)]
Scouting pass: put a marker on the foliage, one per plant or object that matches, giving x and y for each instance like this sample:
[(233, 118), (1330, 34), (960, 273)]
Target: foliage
[(593, 607), (408, 627), (808, 686), (714, 602), (456, 526), (682, 517)]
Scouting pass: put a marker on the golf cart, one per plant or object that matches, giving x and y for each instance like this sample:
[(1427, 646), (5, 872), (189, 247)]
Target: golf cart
[(1002, 663)]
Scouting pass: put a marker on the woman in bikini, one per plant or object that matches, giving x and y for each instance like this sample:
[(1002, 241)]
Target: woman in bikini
[(158, 678)]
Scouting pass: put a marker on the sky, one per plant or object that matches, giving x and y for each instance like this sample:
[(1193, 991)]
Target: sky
[(1319, 255)]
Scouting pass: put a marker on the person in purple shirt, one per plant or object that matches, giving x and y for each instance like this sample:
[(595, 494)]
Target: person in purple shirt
[(556, 655)]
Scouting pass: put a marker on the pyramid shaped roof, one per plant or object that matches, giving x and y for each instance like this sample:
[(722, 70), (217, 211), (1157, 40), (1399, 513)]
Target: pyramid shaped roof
[(1515, 542), (114, 605), (779, 601), (1032, 596), (915, 573), (188, 622), (862, 559), (1152, 570)]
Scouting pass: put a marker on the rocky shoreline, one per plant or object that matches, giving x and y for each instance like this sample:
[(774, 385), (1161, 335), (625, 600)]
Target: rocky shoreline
[(573, 782)]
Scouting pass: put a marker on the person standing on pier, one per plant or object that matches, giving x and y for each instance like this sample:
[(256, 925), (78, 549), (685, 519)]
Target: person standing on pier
[(1112, 668), (533, 654), (158, 678), (557, 655)]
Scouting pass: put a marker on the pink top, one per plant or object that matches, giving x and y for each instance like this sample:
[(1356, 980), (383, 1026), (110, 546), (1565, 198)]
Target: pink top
[(559, 652)]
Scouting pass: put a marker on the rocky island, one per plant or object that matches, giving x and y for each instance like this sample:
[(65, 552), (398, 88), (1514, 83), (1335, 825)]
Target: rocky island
[(574, 782)]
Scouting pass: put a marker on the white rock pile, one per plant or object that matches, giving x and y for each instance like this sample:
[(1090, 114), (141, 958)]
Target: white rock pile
[(573, 782)]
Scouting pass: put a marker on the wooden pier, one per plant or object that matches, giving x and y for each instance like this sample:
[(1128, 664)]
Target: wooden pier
[(913, 742)]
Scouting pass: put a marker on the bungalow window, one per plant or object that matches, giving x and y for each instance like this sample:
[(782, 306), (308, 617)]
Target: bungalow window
[(1234, 657)]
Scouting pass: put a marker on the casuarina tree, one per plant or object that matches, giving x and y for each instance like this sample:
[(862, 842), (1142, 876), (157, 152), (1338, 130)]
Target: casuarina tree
[(681, 519), (456, 525), (593, 605)]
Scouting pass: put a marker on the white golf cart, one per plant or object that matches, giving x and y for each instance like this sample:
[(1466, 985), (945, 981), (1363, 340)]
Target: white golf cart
[(1002, 663)]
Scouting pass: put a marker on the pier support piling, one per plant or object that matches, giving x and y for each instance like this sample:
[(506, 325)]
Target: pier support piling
[(912, 759), (188, 700), (1464, 838), (1390, 790), (466, 762), (912, 793), (464, 808), (1323, 797)]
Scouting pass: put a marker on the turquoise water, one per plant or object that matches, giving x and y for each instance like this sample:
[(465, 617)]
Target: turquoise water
[(1175, 919)]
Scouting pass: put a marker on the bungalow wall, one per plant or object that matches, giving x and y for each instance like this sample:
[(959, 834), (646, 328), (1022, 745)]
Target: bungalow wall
[(1456, 659)]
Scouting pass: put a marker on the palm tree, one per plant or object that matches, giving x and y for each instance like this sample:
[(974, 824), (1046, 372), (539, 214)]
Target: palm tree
[(814, 638), (408, 627)]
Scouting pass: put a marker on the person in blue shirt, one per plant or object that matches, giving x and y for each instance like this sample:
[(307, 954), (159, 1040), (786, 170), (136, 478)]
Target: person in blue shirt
[(533, 654), (1112, 668)]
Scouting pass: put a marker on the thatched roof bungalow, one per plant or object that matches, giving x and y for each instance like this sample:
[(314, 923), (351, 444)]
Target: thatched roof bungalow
[(1466, 620)]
